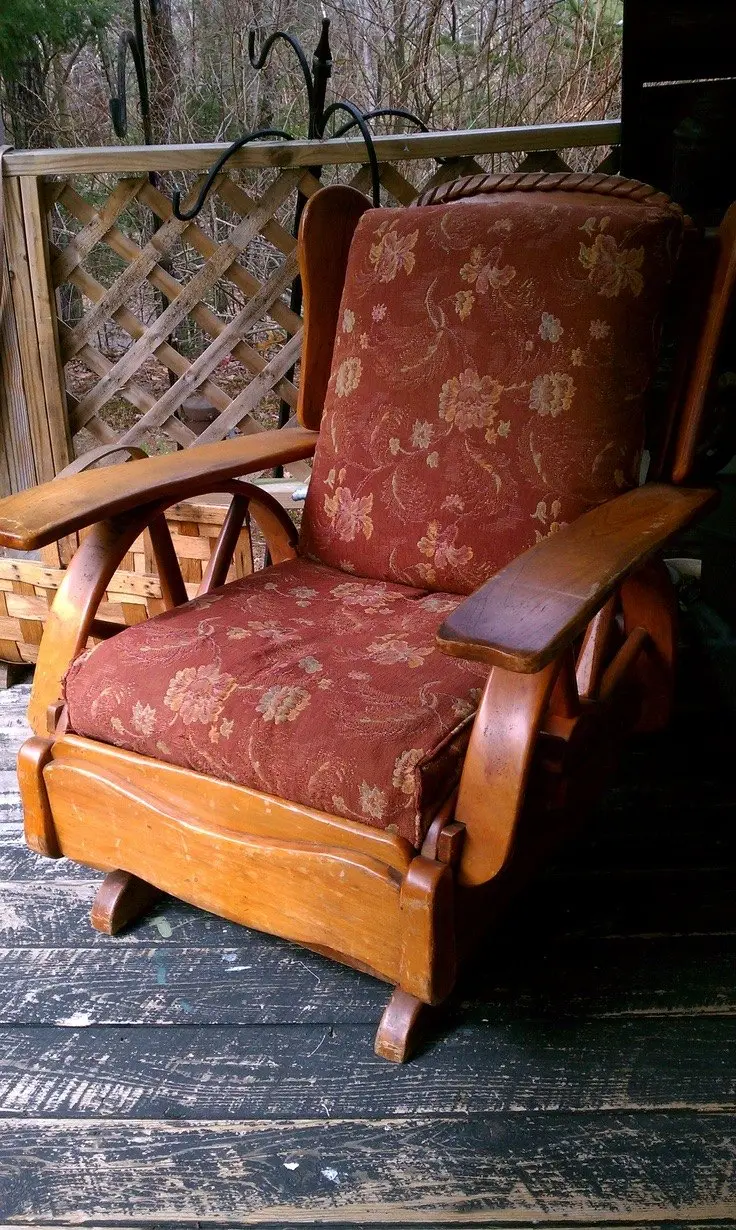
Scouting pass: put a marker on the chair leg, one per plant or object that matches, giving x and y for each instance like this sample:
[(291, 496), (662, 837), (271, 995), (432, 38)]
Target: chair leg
[(401, 1027), (120, 899)]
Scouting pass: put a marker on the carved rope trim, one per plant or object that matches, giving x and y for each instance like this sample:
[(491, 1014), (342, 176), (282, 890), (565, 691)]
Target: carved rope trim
[(545, 181)]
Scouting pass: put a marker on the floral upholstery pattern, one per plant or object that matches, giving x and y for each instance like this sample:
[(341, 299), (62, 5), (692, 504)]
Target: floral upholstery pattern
[(487, 386), (299, 682), (488, 380)]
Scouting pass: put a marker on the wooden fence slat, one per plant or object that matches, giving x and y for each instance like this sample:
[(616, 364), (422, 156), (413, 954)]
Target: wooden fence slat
[(206, 246), (248, 399), (399, 187), (394, 147), (174, 397), (127, 320), (172, 289), (132, 392), (543, 160), (157, 248), (191, 294), (96, 229), (240, 201), (19, 468)]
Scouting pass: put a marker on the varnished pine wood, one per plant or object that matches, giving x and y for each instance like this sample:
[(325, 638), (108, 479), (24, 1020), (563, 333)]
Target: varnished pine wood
[(648, 600), (222, 552), (120, 900), (624, 661), (74, 608), (267, 816), (294, 888), (173, 590), (427, 963), (400, 1029), (707, 348), (536, 606), (497, 766), (325, 234), (593, 651), (33, 518), (273, 521), (40, 833)]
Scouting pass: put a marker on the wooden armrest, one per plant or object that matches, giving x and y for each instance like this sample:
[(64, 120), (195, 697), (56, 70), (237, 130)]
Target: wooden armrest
[(535, 607), (34, 518)]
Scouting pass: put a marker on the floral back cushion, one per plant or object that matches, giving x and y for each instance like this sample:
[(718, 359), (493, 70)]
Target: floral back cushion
[(488, 379)]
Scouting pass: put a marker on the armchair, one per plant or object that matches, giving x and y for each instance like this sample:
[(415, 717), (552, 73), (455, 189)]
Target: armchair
[(366, 747)]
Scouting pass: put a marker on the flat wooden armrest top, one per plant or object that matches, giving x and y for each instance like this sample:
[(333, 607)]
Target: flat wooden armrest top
[(535, 607), (31, 519)]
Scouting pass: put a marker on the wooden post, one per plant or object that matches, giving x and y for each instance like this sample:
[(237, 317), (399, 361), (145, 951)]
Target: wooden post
[(17, 467), (36, 425), (44, 304)]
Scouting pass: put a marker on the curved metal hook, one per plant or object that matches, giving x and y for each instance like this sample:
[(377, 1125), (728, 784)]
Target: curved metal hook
[(119, 105), (359, 121), (261, 59), (399, 113), (216, 169)]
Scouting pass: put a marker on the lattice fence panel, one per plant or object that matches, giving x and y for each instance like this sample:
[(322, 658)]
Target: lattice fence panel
[(172, 332)]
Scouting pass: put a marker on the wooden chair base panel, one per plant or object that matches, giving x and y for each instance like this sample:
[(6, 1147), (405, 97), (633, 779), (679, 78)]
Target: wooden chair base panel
[(120, 900), (402, 1027)]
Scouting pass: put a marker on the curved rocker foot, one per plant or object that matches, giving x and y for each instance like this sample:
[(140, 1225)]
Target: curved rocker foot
[(120, 899), (401, 1027)]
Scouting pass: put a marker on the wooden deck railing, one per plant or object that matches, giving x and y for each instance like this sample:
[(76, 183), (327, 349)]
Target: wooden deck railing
[(111, 327)]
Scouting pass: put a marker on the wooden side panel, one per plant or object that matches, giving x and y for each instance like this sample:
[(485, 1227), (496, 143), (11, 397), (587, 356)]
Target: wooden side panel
[(235, 807), (322, 895), (40, 834)]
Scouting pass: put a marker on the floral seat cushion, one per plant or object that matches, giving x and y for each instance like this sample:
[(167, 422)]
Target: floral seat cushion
[(488, 379), (299, 682)]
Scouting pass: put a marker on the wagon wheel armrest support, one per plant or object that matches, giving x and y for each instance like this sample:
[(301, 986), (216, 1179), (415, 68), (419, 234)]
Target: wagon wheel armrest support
[(521, 622), (32, 519), (535, 607)]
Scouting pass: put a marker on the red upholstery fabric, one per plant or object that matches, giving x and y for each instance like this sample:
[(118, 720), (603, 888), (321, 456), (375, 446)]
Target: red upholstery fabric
[(299, 682), (487, 382)]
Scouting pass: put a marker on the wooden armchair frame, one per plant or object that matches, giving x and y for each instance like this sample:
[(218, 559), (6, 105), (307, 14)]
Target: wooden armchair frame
[(579, 634)]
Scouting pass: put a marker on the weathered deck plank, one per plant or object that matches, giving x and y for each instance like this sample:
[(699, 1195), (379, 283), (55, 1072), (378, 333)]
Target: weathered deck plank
[(263, 981), (318, 1071), (352, 1171)]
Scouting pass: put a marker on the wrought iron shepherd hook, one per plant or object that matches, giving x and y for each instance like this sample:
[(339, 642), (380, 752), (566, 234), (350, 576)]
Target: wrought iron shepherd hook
[(315, 82)]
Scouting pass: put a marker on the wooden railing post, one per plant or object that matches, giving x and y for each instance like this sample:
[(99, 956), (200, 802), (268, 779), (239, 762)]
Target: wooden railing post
[(44, 304), (17, 467), (33, 401)]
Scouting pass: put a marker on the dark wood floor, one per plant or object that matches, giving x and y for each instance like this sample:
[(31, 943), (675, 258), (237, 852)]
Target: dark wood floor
[(190, 1073)]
